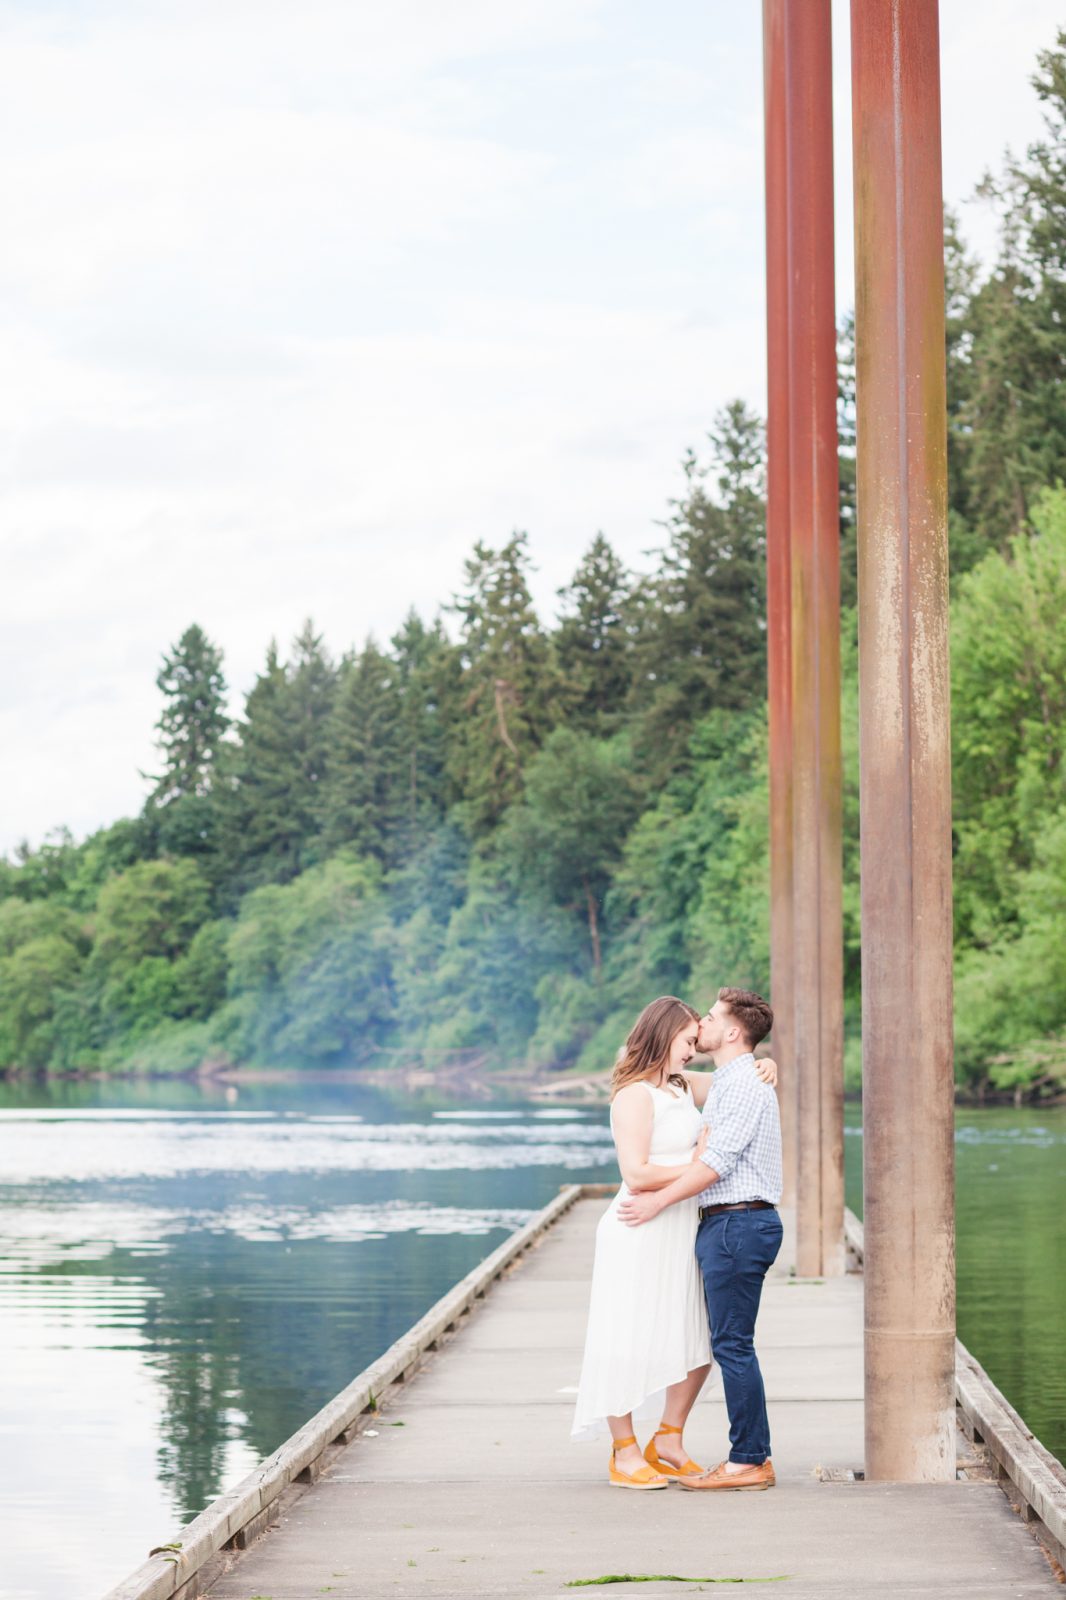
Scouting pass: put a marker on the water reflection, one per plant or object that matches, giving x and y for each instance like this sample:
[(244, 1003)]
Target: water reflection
[(1010, 1208), (180, 1289)]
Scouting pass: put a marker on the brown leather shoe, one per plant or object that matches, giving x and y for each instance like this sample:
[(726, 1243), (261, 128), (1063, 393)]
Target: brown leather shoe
[(752, 1477)]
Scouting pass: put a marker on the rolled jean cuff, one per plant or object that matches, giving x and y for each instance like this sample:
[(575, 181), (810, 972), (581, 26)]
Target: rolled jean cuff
[(741, 1460)]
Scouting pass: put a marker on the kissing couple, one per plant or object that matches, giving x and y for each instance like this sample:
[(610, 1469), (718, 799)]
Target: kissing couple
[(684, 1246)]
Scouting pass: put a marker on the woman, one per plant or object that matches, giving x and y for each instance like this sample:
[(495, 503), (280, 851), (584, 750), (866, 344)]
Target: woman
[(647, 1344)]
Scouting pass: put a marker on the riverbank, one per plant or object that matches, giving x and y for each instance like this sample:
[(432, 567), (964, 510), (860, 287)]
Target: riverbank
[(473, 1078)]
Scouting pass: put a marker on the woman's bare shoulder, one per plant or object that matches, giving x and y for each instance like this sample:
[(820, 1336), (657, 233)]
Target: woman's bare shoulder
[(633, 1094), (633, 1091)]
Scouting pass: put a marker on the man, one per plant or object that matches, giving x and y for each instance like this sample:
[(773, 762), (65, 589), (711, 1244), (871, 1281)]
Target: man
[(740, 1230)]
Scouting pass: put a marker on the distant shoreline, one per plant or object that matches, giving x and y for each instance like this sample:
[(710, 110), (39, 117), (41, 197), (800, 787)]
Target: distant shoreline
[(473, 1079)]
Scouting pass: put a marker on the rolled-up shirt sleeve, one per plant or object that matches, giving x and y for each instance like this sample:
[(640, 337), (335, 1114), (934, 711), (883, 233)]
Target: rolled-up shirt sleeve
[(734, 1126)]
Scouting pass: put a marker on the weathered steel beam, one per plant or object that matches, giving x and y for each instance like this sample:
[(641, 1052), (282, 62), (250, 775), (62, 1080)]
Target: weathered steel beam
[(905, 799), (815, 639), (778, 581)]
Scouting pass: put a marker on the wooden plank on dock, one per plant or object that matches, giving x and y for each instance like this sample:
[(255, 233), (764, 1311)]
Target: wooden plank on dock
[(480, 1491)]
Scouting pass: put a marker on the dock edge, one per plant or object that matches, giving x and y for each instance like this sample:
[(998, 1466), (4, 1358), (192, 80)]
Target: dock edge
[(237, 1517), (987, 1418)]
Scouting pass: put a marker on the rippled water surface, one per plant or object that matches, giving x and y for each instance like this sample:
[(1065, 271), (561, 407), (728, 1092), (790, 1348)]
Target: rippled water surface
[(186, 1277)]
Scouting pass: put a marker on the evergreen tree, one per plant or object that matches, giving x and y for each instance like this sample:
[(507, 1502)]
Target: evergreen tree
[(701, 619), (362, 796), (1014, 412), (271, 801), (428, 673), (312, 682), (504, 707), (593, 642), (261, 838), (965, 546), (738, 456), (193, 721)]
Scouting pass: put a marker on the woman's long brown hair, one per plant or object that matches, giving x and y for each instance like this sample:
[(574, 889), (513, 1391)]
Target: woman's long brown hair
[(647, 1050)]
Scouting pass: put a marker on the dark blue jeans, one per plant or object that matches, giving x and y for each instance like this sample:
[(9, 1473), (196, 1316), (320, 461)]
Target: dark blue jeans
[(735, 1250)]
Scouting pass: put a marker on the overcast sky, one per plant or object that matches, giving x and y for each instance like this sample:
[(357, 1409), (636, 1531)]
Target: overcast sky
[(299, 300)]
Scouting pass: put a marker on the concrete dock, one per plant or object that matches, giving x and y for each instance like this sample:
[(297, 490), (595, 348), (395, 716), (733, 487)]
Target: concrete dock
[(467, 1483)]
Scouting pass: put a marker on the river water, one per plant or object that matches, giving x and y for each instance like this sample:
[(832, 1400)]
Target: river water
[(187, 1273)]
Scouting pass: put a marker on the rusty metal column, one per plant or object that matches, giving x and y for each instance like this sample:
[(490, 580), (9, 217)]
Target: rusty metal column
[(905, 787), (778, 581), (818, 1000)]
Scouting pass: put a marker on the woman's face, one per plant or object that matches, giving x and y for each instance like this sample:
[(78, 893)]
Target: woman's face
[(683, 1047)]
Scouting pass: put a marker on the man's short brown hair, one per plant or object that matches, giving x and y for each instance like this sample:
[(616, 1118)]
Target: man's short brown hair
[(754, 1016)]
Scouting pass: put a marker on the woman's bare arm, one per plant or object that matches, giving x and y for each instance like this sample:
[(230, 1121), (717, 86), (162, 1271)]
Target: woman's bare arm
[(700, 1082)]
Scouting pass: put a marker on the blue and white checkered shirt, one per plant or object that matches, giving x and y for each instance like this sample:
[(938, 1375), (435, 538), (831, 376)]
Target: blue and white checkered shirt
[(744, 1146)]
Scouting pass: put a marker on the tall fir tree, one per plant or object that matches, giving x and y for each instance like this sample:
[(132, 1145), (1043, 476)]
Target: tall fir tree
[(270, 803), (193, 722), (428, 672), (1014, 414), (593, 641), (960, 282), (261, 837), (312, 683), (506, 695), (362, 795), (701, 631)]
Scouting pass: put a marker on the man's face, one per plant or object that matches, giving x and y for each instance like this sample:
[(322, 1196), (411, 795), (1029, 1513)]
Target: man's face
[(713, 1029)]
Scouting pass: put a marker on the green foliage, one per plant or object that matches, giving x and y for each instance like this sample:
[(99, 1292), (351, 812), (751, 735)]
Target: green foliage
[(563, 838), (479, 995), (1009, 718), (1006, 342), (201, 974), (146, 920), (309, 977), (152, 909), (22, 921), (691, 891), (33, 977)]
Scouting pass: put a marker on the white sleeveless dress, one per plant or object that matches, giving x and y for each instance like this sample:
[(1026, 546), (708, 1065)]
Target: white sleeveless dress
[(647, 1324)]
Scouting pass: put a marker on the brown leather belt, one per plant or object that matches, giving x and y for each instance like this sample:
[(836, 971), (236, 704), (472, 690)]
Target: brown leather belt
[(741, 1205)]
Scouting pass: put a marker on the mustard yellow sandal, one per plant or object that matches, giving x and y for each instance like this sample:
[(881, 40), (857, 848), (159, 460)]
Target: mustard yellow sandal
[(643, 1478), (651, 1456)]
